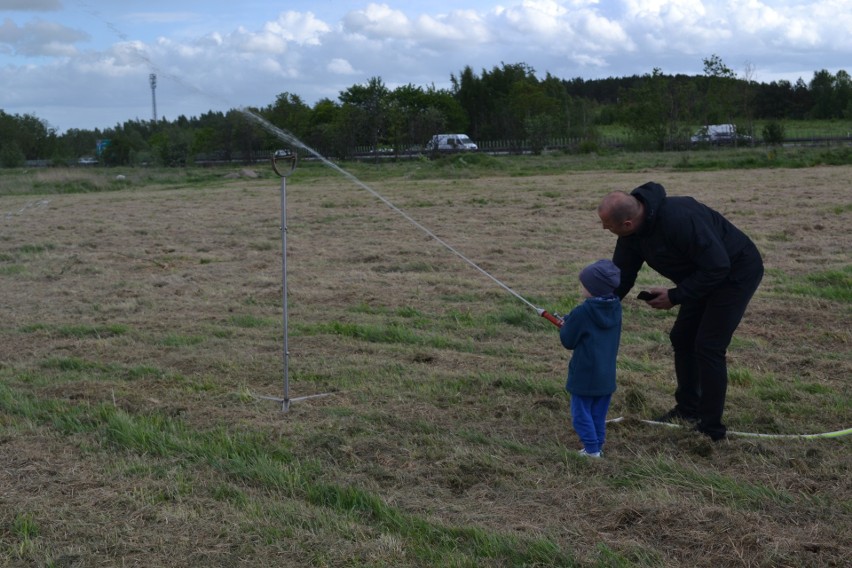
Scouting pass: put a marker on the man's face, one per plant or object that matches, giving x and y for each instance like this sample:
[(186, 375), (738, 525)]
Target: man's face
[(621, 229)]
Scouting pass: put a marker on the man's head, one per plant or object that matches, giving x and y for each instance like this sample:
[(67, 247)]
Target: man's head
[(621, 213), (600, 278)]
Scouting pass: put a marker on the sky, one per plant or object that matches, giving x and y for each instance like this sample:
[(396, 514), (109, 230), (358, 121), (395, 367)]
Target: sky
[(86, 64)]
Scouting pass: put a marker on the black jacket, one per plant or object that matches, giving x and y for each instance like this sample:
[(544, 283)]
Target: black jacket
[(684, 240)]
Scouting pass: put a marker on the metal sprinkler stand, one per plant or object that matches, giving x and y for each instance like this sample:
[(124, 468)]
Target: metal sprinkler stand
[(289, 158)]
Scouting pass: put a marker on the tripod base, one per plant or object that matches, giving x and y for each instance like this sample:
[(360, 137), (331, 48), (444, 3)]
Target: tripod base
[(285, 402)]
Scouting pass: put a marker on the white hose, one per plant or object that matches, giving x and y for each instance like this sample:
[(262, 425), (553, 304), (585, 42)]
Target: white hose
[(835, 434)]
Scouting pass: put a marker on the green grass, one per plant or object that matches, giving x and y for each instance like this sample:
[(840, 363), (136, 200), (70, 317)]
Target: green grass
[(792, 128), (70, 364), (25, 529), (249, 321), (525, 386), (12, 270), (179, 340), (740, 376), (74, 180), (659, 471), (835, 285), (79, 331), (252, 458), (59, 181), (629, 364), (445, 438), (35, 249)]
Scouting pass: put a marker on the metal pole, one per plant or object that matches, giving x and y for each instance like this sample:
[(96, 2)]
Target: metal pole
[(286, 355), (286, 402), (291, 157)]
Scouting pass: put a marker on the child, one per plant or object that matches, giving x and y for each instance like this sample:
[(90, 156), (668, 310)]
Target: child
[(593, 330)]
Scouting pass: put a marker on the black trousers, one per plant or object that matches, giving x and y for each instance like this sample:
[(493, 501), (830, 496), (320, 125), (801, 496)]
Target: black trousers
[(700, 337)]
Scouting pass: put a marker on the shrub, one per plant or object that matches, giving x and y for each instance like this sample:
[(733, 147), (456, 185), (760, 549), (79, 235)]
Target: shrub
[(773, 133)]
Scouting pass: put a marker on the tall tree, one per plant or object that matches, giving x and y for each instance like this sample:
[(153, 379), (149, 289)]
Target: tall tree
[(656, 109), (416, 114), (803, 101), (824, 95), (366, 107), (843, 87), (289, 112), (487, 99), (720, 93), (773, 100), (469, 91), (28, 135)]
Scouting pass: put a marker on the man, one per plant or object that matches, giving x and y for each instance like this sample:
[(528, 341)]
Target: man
[(716, 269)]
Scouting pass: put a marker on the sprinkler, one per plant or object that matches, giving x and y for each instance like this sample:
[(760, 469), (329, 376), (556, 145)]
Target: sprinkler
[(288, 159)]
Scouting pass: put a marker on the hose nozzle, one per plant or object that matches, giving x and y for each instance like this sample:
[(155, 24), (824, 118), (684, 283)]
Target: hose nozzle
[(549, 317)]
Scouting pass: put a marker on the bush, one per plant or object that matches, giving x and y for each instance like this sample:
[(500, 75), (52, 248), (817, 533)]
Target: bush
[(11, 156), (773, 133)]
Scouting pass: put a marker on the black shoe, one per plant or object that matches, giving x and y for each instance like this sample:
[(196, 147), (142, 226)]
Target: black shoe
[(676, 415), (716, 433)]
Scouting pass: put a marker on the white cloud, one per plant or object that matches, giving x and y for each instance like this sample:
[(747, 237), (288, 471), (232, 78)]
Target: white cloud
[(249, 56), (263, 42), (274, 68), (378, 20), (606, 35), (464, 28), (380, 23), (575, 30), (301, 28), (665, 11), (31, 5), (40, 38), (340, 66)]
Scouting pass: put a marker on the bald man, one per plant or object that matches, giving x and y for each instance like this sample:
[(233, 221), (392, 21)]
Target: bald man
[(715, 269)]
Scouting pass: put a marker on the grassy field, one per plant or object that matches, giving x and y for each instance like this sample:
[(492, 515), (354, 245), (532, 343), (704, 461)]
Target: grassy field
[(793, 129), (141, 337)]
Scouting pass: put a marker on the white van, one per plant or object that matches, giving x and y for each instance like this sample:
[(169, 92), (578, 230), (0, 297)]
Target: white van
[(450, 143), (719, 134)]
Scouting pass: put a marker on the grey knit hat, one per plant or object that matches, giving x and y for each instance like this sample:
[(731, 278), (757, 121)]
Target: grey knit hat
[(601, 277)]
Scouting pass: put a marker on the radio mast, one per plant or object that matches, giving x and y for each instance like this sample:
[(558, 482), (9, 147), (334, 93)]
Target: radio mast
[(153, 79)]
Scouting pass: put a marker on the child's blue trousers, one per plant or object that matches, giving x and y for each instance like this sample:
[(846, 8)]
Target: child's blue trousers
[(588, 415)]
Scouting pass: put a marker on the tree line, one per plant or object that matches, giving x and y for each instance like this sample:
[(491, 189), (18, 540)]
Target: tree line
[(508, 102)]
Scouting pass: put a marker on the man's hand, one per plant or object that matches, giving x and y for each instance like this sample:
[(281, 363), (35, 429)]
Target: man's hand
[(661, 300)]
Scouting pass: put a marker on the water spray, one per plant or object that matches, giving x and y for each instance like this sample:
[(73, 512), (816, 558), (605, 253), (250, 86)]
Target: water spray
[(284, 170), (295, 142)]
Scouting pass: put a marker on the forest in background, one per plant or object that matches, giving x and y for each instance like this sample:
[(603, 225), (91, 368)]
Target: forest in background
[(508, 103)]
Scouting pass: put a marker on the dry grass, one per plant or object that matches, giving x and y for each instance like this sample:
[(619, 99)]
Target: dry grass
[(138, 326)]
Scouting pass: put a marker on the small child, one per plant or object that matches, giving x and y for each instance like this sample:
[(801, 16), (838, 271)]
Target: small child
[(593, 331)]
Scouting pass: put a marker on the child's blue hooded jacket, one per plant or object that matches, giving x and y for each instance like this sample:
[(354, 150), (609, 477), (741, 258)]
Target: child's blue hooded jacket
[(593, 331)]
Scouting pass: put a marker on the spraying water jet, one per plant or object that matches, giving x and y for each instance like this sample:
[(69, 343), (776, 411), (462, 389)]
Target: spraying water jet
[(295, 142)]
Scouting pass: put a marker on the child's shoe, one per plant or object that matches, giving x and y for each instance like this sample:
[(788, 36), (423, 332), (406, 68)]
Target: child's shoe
[(586, 454)]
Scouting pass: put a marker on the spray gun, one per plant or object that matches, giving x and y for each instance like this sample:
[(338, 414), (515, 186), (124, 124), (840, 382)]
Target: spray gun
[(552, 318)]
